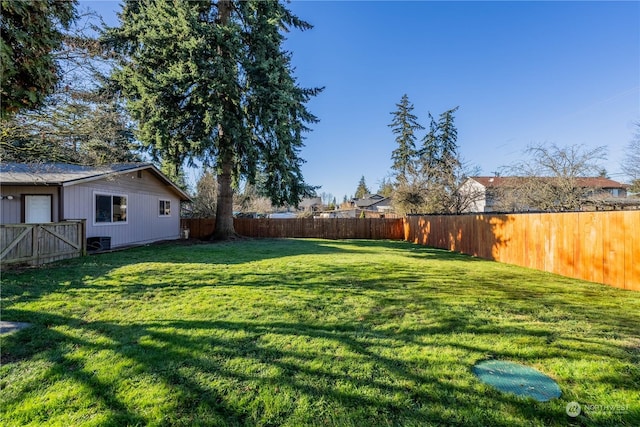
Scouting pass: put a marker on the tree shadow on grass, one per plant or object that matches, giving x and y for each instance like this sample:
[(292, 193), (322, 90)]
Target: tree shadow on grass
[(224, 372), (79, 273), (191, 358), (261, 372), (34, 283)]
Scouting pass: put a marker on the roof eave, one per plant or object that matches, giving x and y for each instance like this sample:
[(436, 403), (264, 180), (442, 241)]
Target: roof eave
[(183, 196)]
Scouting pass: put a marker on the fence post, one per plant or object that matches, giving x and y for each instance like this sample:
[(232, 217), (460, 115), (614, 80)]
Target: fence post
[(35, 244), (83, 237)]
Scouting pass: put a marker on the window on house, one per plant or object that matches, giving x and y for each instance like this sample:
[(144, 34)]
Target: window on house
[(615, 192), (110, 208), (165, 207)]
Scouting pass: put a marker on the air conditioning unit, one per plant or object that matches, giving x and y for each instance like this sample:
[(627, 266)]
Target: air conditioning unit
[(101, 243)]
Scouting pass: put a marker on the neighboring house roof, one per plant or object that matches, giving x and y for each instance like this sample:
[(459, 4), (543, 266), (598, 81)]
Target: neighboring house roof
[(63, 174), (310, 202), (508, 181), (370, 200)]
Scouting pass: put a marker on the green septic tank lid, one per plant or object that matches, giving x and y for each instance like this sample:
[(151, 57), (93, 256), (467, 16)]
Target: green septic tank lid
[(518, 379)]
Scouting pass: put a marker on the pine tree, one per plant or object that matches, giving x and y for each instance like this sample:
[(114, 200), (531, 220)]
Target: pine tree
[(362, 189), (209, 80), (440, 166), (386, 188), (448, 142), (404, 125), (439, 150), (430, 185), (82, 121), (175, 173), (31, 32), (431, 149), (204, 201)]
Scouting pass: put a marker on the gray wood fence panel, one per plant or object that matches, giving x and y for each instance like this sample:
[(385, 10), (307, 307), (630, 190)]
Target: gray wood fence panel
[(37, 244)]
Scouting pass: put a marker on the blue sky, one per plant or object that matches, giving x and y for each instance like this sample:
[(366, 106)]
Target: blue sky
[(521, 72)]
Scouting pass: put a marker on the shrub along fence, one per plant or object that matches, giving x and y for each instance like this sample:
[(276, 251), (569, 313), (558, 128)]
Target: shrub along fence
[(602, 247)]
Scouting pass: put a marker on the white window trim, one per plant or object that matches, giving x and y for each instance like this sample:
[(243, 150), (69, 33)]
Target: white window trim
[(170, 208), (111, 223)]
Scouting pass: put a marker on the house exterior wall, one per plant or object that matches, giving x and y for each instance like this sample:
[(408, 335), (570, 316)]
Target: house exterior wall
[(382, 206), (472, 187), (491, 199), (144, 223), (12, 211), (620, 192)]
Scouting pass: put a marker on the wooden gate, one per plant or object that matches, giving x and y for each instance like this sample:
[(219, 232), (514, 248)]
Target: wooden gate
[(36, 244)]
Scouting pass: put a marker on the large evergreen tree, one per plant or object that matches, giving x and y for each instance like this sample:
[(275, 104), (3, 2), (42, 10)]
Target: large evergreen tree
[(439, 151), (429, 153), (404, 126), (386, 188), (448, 143), (440, 167), (31, 33), (210, 80), (82, 121), (430, 183)]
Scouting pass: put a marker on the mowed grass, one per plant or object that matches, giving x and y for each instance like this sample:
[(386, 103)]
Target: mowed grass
[(309, 332)]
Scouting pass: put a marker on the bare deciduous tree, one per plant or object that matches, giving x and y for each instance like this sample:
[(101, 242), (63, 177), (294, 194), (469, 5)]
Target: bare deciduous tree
[(631, 162), (409, 194), (436, 190), (251, 199), (81, 120), (549, 178)]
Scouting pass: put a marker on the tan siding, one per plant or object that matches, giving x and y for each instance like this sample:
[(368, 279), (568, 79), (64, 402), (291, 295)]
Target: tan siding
[(11, 210), (143, 225)]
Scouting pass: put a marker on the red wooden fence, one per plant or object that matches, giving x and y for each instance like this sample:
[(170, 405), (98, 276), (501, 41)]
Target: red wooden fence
[(601, 247), (322, 228)]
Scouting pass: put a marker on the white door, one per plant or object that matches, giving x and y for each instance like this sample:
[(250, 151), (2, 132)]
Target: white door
[(37, 209)]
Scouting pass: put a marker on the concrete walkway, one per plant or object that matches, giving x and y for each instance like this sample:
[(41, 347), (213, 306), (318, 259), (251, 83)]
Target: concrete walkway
[(9, 327)]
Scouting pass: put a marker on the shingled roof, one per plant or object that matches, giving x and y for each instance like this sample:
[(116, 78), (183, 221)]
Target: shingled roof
[(64, 174), (369, 200), (510, 181)]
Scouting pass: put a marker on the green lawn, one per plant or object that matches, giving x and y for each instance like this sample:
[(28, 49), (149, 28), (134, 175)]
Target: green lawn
[(309, 332)]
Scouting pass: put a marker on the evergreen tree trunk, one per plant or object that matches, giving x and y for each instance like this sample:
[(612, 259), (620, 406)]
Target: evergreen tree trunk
[(224, 209)]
